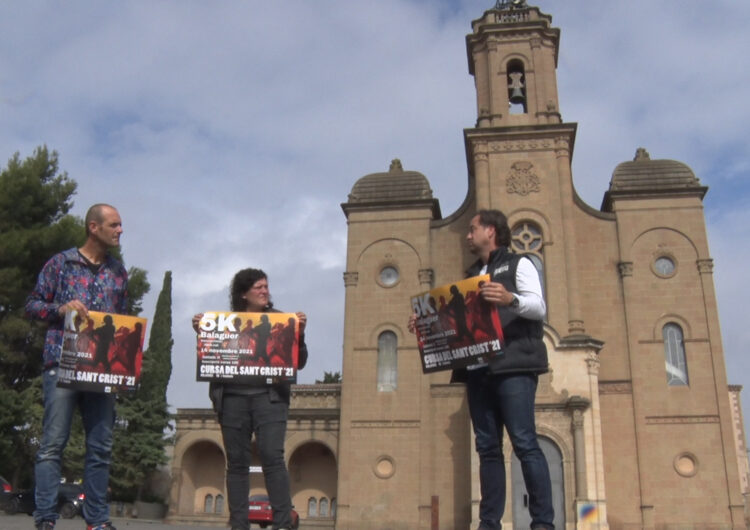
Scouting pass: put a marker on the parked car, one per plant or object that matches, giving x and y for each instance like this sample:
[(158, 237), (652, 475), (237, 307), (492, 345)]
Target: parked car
[(70, 499), (260, 512)]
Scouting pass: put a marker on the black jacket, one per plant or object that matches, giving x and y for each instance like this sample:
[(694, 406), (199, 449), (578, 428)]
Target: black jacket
[(278, 392), (524, 350)]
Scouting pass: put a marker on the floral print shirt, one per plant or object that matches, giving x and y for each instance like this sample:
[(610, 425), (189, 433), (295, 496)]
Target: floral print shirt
[(65, 277)]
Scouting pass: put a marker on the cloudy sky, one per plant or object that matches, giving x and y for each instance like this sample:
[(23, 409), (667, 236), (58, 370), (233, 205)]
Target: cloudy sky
[(228, 133)]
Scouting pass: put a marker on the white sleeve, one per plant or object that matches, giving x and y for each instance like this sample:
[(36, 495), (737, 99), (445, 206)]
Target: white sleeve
[(530, 299)]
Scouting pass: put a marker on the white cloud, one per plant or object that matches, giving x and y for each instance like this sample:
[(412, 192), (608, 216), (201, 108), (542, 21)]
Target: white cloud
[(229, 133)]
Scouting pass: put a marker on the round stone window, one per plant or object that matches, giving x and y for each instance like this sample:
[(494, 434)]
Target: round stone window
[(388, 276), (664, 266)]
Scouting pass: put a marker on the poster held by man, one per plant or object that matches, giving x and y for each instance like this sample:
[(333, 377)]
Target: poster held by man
[(455, 326), (101, 352)]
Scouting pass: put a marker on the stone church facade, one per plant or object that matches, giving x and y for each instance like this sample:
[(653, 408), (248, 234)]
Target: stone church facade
[(636, 417)]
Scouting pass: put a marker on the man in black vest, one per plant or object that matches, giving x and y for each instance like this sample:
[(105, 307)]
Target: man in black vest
[(502, 393)]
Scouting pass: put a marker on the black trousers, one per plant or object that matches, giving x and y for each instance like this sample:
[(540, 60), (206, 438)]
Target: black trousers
[(241, 416)]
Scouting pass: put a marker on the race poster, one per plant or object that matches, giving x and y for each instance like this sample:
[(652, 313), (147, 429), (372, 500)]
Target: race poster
[(248, 347), (101, 352), (455, 327)]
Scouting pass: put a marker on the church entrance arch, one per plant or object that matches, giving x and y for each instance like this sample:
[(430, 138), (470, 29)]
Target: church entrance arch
[(521, 517)]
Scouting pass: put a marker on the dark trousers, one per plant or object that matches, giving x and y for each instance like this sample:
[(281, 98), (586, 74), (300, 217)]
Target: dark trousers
[(242, 416), (497, 401)]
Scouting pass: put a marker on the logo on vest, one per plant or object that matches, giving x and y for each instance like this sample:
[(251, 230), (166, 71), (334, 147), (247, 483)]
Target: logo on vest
[(501, 269)]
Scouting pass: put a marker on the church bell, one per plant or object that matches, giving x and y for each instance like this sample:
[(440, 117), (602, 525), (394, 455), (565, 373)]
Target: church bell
[(516, 95)]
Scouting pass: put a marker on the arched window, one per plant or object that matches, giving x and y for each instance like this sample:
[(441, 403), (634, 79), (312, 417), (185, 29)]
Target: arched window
[(208, 503), (333, 507), (387, 361), (324, 507), (674, 355), (219, 507), (526, 238), (312, 507)]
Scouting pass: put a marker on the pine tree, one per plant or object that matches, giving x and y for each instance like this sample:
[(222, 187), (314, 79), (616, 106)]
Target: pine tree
[(329, 377), (35, 198)]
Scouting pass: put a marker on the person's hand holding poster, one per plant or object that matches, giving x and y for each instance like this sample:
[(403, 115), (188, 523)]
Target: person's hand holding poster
[(247, 347), (101, 352), (455, 327)]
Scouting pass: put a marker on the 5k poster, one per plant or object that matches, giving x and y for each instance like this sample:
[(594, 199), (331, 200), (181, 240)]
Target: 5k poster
[(248, 347), (455, 326), (101, 352)]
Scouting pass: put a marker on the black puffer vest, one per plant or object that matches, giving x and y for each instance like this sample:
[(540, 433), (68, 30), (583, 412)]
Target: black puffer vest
[(524, 349)]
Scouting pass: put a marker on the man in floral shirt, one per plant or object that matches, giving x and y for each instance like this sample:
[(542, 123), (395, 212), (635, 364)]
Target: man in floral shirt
[(79, 279)]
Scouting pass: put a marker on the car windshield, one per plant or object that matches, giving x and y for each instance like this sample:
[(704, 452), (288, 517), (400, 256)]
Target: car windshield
[(258, 498)]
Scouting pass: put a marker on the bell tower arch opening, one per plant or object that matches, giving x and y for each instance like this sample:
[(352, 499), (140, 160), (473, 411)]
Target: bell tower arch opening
[(516, 87)]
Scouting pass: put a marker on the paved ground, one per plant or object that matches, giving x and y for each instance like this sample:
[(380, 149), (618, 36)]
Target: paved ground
[(21, 521)]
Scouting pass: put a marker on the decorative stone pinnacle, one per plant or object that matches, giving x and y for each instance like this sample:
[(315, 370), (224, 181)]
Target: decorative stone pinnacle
[(510, 4), (641, 154)]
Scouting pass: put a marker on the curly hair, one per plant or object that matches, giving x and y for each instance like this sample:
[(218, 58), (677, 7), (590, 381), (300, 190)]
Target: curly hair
[(241, 282)]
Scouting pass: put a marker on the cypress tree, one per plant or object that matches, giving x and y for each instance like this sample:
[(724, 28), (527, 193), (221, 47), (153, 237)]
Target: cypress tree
[(143, 417)]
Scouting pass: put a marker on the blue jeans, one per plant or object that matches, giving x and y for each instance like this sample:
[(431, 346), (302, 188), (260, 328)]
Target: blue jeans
[(241, 416), (98, 414), (497, 401)]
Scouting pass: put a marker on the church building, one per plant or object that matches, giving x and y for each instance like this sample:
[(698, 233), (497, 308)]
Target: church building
[(636, 418)]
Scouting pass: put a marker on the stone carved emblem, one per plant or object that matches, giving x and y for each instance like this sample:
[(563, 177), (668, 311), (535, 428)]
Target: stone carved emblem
[(522, 179)]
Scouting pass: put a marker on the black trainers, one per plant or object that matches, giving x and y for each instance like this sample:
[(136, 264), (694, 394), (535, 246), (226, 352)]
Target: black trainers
[(46, 525)]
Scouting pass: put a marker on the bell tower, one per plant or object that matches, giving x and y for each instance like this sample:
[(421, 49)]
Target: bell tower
[(519, 153), (512, 56)]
